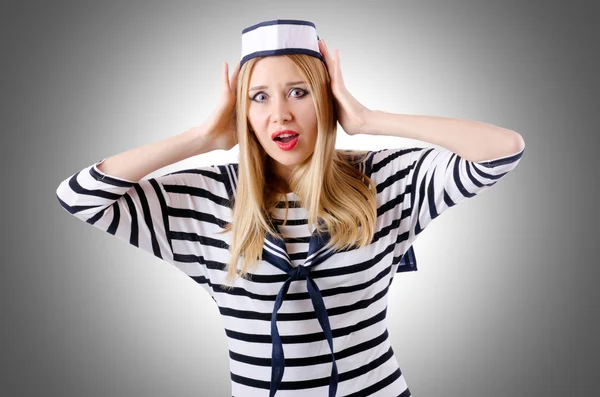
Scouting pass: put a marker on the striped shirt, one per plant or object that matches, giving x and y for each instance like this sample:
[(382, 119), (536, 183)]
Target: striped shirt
[(307, 322)]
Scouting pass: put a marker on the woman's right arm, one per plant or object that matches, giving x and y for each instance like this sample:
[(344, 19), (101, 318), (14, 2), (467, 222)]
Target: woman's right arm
[(112, 196), (134, 164), (170, 215), (219, 131)]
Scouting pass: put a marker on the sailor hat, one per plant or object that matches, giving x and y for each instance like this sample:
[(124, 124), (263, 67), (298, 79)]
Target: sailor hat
[(280, 36)]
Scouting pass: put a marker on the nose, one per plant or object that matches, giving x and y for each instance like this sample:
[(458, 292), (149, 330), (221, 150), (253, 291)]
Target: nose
[(280, 110)]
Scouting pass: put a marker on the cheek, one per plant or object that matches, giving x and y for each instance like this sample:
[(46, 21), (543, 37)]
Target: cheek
[(256, 128), (311, 117), (256, 117), (307, 113), (252, 118)]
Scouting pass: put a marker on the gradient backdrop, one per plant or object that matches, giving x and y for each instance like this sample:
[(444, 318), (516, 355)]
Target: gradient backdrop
[(506, 299)]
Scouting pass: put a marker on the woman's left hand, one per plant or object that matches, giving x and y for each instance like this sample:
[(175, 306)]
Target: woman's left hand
[(352, 115)]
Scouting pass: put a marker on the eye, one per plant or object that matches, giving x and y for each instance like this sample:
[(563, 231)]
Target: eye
[(256, 96), (302, 91)]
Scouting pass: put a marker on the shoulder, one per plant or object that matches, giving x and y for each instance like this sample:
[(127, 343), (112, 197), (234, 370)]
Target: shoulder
[(356, 158)]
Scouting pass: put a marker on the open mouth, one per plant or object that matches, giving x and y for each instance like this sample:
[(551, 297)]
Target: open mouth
[(286, 138), (287, 143)]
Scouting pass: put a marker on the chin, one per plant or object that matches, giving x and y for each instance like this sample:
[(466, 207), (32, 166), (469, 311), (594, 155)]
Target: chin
[(289, 159)]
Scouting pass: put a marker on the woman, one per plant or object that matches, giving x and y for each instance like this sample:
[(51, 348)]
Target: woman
[(240, 230)]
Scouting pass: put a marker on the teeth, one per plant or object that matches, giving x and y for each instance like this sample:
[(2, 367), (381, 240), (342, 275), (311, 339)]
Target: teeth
[(285, 135)]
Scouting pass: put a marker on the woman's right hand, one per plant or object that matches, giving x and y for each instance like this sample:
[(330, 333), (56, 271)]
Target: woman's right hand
[(221, 126)]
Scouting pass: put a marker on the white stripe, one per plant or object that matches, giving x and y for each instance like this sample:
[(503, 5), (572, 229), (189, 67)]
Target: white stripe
[(275, 37), (444, 183)]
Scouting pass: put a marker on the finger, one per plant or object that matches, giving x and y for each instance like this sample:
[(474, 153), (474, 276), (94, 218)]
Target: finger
[(330, 65), (328, 57), (325, 53), (225, 75), (234, 77), (338, 68)]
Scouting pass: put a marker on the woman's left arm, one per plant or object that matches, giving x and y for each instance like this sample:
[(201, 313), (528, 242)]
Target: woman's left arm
[(471, 140)]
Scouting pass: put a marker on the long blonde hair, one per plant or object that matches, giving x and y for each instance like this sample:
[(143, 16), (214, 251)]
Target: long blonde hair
[(327, 183)]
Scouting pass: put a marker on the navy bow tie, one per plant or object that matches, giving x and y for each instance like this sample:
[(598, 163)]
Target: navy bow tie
[(275, 252)]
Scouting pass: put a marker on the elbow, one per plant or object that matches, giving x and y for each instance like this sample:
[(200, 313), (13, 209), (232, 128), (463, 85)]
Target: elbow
[(61, 196), (518, 142)]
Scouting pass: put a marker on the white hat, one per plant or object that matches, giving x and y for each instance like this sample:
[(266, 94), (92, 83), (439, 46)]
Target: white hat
[(280, 36)]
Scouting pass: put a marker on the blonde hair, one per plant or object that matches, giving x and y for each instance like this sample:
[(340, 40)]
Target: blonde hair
[(327, 183)]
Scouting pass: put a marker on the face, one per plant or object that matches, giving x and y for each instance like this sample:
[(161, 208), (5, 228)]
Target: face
[(280, 99)]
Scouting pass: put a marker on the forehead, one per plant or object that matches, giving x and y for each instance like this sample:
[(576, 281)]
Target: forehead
[(274, 70)]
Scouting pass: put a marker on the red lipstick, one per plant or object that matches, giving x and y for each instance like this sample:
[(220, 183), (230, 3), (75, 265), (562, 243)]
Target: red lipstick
[(288, 142), (277, 133)]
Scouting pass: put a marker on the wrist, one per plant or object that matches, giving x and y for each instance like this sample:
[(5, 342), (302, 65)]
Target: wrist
[(369, 126), (197, 140), (380, 122)]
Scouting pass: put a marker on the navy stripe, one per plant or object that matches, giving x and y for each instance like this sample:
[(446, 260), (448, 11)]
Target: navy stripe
[(205, 198), (278, 22), (108, 179), (281, 51), (502, 161)]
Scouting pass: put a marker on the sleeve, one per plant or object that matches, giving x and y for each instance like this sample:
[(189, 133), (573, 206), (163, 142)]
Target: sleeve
[(145, 214), (416, 184)]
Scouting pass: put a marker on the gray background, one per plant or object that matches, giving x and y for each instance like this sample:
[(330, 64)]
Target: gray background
[(505, 301)]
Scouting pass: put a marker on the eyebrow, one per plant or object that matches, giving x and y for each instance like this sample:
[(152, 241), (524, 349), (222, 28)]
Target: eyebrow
[(261, 87)]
